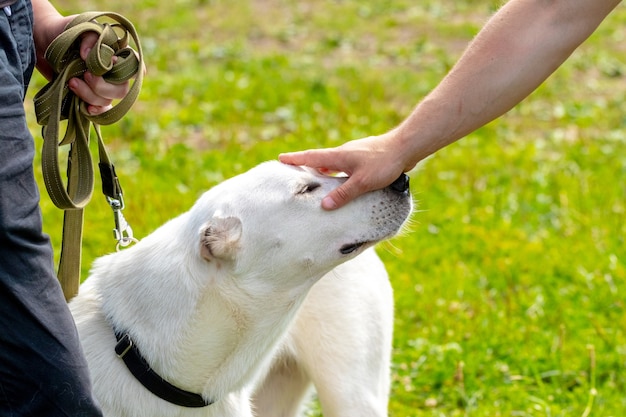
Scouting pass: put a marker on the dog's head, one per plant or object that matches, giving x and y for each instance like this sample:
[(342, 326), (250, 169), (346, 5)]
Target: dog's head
[(269, 222)]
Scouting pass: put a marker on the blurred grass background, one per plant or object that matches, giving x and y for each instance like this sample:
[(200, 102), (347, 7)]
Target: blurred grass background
[(510, 292)]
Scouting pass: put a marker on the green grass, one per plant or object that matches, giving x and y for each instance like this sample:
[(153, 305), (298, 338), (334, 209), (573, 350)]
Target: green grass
[(510, 286)]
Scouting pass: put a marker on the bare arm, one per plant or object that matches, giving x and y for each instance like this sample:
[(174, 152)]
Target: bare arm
[(518, 48)]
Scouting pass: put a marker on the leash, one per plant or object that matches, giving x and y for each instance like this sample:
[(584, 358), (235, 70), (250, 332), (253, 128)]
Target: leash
[(55, 103)]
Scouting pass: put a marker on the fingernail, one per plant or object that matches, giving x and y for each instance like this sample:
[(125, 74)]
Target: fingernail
[(328, 203)]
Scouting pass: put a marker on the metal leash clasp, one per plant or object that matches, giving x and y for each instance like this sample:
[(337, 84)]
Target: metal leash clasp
[(123, 233)]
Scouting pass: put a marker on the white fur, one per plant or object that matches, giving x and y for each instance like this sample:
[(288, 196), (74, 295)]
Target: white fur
[(224, 300)]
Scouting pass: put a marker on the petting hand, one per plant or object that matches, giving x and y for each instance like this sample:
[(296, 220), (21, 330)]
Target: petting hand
[(371, 163)]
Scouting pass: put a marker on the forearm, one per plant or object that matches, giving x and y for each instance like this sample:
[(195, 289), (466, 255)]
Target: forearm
[(48, 24), (520, 46)]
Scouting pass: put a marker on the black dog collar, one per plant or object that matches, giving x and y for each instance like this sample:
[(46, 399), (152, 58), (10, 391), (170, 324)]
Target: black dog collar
[(141, 370)]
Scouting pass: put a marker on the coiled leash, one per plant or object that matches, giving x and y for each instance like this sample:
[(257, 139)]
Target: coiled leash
[(55, 102)]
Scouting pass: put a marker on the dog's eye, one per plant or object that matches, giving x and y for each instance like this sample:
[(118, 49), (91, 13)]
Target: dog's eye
[(310, 187)]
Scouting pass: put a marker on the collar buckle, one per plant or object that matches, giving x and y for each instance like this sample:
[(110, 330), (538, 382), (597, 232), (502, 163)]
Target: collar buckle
[(123, 346)]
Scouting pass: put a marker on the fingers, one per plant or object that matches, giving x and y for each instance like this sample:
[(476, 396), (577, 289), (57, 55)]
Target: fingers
[(292, 158), (328, 161), (371, 163), (315, 158), (95, 90)]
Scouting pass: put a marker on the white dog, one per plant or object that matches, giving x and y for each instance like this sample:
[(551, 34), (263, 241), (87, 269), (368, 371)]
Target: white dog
[(222, 311)]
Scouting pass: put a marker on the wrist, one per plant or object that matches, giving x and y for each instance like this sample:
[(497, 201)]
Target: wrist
[(410, 145), (427, 130), (48, 25)]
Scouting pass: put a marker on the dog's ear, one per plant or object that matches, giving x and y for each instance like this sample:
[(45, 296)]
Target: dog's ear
[(219, 238)]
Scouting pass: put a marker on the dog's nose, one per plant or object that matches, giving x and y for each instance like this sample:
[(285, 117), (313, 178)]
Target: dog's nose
[(401, 185)]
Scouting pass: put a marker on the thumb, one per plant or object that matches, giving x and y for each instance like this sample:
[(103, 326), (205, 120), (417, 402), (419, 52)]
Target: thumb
[(341, 195), (88, 41)]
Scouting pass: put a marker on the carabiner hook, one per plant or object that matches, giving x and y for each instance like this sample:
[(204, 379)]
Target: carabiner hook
[(122, 232)]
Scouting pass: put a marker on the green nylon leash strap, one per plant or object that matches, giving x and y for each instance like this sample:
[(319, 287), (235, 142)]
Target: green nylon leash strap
[(55, 103)]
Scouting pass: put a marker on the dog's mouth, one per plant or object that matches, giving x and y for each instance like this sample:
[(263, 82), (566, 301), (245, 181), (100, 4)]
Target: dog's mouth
[(352, 247), (349, 248)]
